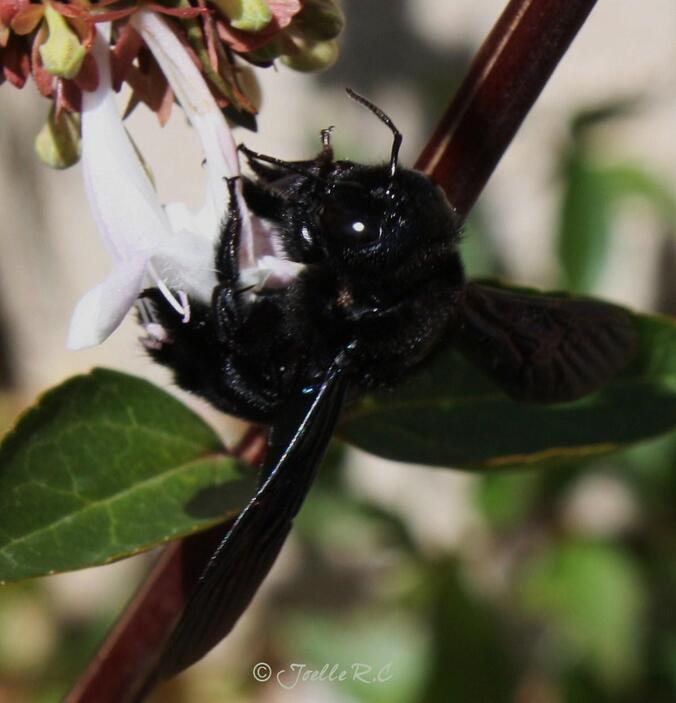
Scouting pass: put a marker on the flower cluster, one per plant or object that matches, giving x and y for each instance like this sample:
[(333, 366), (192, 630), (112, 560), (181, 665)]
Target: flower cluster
[(167, 246), (52, 42)]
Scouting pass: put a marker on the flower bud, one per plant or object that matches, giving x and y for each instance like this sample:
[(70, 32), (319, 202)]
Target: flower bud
[(247, 15), (319, 20), (58, 142), (62, 54), (312, 56), (268, 52)]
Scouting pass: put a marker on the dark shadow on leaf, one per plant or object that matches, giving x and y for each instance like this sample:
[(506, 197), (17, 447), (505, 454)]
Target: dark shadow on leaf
[(222, 499)]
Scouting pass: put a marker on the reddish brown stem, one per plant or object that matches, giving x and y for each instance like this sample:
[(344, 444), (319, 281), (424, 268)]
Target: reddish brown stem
[(505, 78), (504, 81), (119, 670)]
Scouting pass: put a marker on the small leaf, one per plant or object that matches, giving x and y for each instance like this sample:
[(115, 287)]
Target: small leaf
[(598, 114), (504, 499), (591, 194), (448, 414), (584, 230), (628, 180), (594, 597), (104, 466)]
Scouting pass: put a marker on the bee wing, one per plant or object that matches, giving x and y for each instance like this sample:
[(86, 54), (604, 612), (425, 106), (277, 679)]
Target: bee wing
[(246, 554), (544, 349)]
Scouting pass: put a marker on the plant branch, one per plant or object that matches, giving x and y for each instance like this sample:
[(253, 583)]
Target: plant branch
[(506, 77)]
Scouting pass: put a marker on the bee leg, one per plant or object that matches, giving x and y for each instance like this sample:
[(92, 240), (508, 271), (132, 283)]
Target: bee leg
[(227, 251), (237, 325), (263, 200), (156, 335), (325, 157), (225, 301), (268, 169), (201, 363)]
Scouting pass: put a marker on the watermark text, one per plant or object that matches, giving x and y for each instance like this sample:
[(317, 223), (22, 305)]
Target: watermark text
[(297, 672)]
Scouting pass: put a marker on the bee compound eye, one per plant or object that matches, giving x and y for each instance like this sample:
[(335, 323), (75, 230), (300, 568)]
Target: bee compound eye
[(352, 228), (348, 220)]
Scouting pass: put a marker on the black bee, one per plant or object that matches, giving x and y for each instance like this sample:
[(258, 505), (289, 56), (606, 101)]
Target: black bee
[(380, 289)]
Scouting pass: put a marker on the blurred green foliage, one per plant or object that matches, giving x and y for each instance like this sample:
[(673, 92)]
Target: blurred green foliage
[(592, 192)]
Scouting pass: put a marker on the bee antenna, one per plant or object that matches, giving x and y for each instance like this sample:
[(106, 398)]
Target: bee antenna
[(396, 142)]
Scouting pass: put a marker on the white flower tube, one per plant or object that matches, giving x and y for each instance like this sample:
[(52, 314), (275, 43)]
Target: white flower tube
[(149, 246)]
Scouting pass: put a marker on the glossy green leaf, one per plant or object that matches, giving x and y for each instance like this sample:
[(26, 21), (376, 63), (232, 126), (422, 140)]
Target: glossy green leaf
[(450, 415), (104, 466)]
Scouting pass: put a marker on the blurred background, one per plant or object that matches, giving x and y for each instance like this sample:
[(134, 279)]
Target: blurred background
[(521, 586)]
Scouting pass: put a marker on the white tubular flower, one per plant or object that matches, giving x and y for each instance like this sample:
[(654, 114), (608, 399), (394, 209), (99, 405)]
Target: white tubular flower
[(171, 248)]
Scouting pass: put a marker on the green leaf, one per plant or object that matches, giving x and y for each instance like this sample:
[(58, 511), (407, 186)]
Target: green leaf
[(381, 652), (477, 250), (584, 230), (450, 415), (593, 597), (627, 180), (104, 466), (596, 115), (504, 498), (590, 196), (592, 190)]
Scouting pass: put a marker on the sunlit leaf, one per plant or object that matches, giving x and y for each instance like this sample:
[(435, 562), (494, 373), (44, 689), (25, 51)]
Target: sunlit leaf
[(104, 466)]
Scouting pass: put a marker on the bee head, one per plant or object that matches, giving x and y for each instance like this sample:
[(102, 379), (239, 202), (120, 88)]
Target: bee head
[(371, 219)]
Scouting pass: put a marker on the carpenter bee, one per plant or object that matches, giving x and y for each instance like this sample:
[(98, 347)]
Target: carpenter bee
[(379, 290)]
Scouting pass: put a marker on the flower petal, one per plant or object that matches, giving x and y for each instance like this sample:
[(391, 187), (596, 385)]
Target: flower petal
[(125, 206), (218, 145), (185, 262), (196, 100), (103, 308)]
